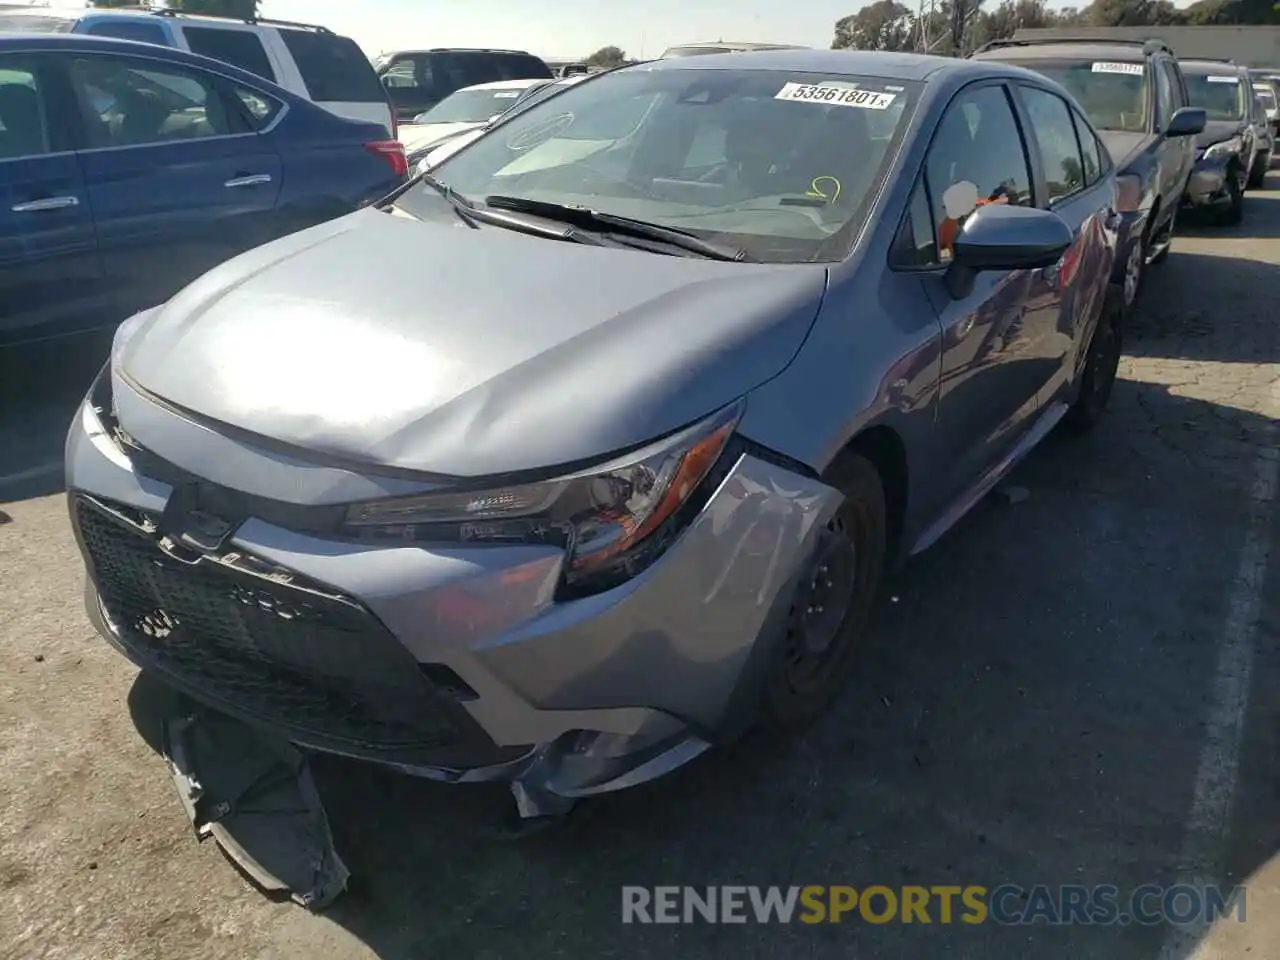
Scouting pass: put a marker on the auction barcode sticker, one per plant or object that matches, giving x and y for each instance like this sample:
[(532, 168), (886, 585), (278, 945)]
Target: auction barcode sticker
[(1223, 79), (506, 94), (835, 96), (1133, 69)]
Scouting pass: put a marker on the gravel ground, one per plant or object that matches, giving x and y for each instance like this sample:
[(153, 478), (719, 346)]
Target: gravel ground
[(1075, 688)]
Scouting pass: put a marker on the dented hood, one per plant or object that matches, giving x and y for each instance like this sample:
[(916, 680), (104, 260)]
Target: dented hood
[(432, 347)]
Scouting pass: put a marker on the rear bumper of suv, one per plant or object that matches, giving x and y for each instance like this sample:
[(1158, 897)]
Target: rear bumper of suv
[(454, 663)]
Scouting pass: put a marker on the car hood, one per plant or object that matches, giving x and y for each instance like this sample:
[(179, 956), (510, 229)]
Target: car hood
[(427, 346), (1215, 131), (1123, 145)]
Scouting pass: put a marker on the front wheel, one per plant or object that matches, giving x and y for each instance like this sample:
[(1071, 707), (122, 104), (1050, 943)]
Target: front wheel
[(1234, 212), (1133, 267), (832, 604), (1100, 366), (1259, 172)]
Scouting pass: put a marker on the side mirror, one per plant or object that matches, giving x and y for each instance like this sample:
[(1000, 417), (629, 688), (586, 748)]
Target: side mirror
[(1186, 122), (1002, 237)]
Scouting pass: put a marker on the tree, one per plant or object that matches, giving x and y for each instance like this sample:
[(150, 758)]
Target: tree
[(883, 25), (606, 58), (243, 9)]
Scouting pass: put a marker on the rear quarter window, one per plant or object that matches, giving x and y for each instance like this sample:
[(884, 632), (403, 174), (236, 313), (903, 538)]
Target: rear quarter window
[(137, 30), (333, 68), (240, 48), (520, 67)]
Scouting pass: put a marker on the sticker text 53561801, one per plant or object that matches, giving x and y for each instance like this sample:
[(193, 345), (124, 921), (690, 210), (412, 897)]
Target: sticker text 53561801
[(835, 96)]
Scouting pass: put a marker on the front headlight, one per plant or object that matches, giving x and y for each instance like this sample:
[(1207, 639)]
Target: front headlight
[(1225, 148), (612, 521)]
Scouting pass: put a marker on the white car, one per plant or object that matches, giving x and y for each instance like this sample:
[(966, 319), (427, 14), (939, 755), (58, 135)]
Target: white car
[(310, 61), (450, 142), (467, 109)]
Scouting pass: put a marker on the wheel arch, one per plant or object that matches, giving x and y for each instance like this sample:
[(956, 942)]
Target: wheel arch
[(884, 447)]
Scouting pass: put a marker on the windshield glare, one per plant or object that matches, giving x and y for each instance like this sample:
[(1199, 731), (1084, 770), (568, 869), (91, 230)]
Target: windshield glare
[(779, 164), (1114, 95), (470, 106), (1220, 94)]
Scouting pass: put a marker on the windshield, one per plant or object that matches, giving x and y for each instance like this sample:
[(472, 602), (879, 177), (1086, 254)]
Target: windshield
[(1114, 95), (1220, 94), (470, 106), (780, 165)]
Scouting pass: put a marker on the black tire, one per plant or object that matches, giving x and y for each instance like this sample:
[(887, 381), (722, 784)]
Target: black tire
[(1259, 172), (1163, 255), (803, 680), (1234, 212), (1098, 376), (1135, 269)]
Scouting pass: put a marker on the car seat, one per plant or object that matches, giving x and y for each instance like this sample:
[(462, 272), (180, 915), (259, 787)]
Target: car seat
[(23, 129), (144, 116)]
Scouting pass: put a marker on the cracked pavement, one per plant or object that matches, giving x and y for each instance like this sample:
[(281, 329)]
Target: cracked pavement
[(1040, 701)]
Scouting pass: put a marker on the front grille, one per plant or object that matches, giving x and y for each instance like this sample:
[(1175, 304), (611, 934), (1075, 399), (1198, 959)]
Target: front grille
[(232, 632)]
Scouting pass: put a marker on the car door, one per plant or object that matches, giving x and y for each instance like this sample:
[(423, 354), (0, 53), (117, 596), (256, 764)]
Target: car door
[(990, 383), (1169, 151), (51, 280), (1068, 295), (411, 84), (1180, 150), (178, 177)]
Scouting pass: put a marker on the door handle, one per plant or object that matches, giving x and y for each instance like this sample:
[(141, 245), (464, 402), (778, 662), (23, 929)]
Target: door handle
[(255, 180), (48, 203)]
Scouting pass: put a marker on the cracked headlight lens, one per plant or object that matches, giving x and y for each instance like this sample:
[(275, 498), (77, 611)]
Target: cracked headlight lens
[(1225, 148), (613, 520)]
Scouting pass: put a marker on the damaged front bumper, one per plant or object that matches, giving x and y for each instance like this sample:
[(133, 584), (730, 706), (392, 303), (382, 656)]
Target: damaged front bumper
[(453, 663)]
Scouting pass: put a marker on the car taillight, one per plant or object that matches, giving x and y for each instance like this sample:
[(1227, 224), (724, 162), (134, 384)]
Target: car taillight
[(391, 151)]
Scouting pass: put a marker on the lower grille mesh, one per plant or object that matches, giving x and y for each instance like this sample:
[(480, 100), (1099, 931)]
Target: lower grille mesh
[(295, 655)]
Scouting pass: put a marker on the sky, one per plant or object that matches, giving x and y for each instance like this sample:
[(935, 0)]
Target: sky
[(570, 28)]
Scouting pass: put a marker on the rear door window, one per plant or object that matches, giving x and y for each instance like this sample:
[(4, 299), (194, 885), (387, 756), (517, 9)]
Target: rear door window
[(1055, 134), (24, 129), (333, 68), (240, 48), (140, 31), (516, 66)]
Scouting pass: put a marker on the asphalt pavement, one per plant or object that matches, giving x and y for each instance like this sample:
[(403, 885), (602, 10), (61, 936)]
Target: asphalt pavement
[(1078, 686)]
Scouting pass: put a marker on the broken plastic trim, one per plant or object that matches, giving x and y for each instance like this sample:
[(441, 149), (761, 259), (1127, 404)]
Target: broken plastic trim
[(254, 794)]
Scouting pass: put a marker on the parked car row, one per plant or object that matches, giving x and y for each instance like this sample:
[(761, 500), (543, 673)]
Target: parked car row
[(1182, 133), (129, 169), (590, 448)]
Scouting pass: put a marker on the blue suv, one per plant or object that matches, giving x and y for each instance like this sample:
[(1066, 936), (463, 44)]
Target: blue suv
[(127, 170)]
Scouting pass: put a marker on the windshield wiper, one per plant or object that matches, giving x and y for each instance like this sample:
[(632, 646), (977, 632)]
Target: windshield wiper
[(613, 223)]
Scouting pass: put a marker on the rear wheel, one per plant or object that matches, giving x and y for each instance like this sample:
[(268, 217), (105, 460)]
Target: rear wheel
[(1100, 366), (832, 605)]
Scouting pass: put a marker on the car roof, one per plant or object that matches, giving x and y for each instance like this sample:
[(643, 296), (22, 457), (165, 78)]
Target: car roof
[(1031, 50), (507, 84), (419, 52), (870, 63), (1211, 66), (72, 14)]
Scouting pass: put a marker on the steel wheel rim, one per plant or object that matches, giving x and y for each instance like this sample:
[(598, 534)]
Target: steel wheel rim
[(823, 602)]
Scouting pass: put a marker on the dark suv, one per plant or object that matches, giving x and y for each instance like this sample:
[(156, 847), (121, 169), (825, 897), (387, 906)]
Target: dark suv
[(419, 79), (1227, 147), (1135, 94)]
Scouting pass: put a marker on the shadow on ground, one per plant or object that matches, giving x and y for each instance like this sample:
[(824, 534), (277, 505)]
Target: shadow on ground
[(40, 387), (1027, 711)]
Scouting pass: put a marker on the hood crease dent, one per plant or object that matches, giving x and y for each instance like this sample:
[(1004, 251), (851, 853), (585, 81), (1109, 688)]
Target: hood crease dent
[(432, 348)]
